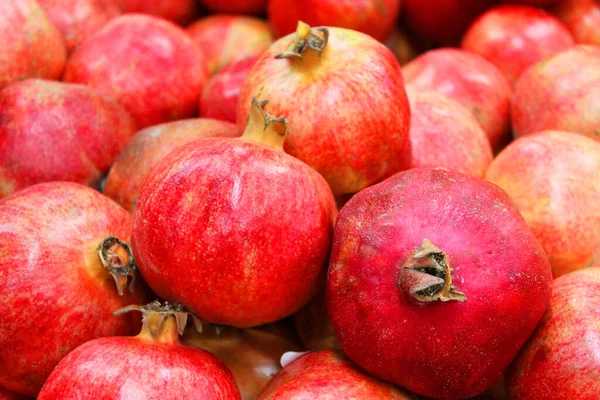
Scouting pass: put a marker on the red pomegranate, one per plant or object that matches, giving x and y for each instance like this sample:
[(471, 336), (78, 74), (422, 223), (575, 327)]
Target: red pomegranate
[(340, 125), (472, 81), (53, 131), (560, 93), (31, 46), (404, 46), (582, 17), (560, 361), (373, 17), (153, 365), (62, 253), (327, 374), (227, 212), (236, 6), (150, 65), (78, 20), (514, 37), (221, 93), (314, 326), (179, 11), (435, 282), (148, 147), (238, 36)]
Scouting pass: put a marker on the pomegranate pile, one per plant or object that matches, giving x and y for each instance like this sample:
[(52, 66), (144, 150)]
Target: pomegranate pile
[(284, 200)]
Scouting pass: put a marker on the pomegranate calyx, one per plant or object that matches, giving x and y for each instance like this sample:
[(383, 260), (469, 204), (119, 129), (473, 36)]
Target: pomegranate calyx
[(113, 262), (426, 275), (263, 128), (306, 37)]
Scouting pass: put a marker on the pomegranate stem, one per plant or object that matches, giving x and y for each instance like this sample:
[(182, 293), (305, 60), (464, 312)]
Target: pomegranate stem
[(306, 38)]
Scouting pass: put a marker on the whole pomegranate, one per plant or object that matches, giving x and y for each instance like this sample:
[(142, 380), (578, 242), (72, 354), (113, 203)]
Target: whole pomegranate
[(62, 254), (560, 361), (582, 17), (153, 365), (179, 11), (146, 148), (352, 133), (560, 93), (376, 18), (53, 131), (435, 282), (226, 211), (30, 45), (148, 64), (236, 6)]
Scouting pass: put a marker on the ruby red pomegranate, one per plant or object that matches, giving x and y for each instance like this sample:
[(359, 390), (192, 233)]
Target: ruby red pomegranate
[(53, 131), (152, 365), (582, 17), (340, 125), (236, 6), (227, 212), (179, 11), (376, 18), (146, 148), (148, 64), (514, 37), (31, 46), (432, 273), (63, 248), (560, 360)]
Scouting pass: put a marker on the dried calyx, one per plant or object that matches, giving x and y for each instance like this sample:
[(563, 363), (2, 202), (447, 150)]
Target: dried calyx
[(116, 256), (426, 275), (264, 128), (306, 38)]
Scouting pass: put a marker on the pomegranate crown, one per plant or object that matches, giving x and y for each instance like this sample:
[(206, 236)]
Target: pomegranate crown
[(306, 38)]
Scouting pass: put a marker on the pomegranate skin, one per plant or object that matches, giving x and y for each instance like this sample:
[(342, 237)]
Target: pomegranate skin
[(327, 374), (551, 176), (148, 64), (178, 11), (236, 6), (445, 134), (582, 17), (53, 131), (146, 148), (553, 95), (6, 395), (538, 3), (376, 18), (336, 124), (31, 46), (54, 294), (514, 37), (496, 262), (560, 360), (472, 81), (220, 95), (227, 38)]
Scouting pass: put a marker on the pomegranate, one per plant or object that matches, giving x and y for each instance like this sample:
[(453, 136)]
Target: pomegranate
[(552, 177), (78, 20), (560, 361), (373, 17), (31, 46), (221, 93), (52, 131), (229, 218), (560, 93), (62, 253), (236, 6), (514, 37), (582, 17), (227, 38), (327, 374), (150, 65), (314, 326), (179, 11), (149, 146), (443, 133), (404, 46), (152, 365), (472, 81), (435, 282), (344, 96)]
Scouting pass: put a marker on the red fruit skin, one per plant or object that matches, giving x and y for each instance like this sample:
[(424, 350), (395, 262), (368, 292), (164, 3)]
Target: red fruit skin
[(148, 64), (227, 38), (552, 178), (148, 147), (52, 296), (220, 95), (178, 11), (236, 6), (472, 81), (376, 18), (445, 134), (6, 395), (30, 45), (431, 348), (53, 131), (537, 3), (560, 93), (78, 20), (560, 360), (338, 124), (582, 17), (514, 37), (327, 374)]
